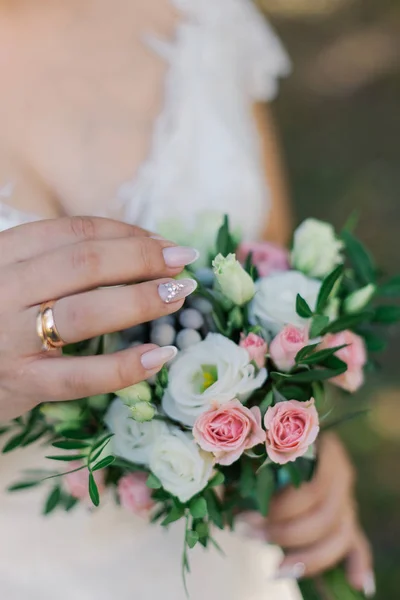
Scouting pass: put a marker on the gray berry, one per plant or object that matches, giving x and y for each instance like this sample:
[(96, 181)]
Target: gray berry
[(187, 338), (190, 318), (202, 305), (162, 334), (205, 276)]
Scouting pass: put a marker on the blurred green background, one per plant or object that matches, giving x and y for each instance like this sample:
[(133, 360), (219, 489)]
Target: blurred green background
[(339, 116)]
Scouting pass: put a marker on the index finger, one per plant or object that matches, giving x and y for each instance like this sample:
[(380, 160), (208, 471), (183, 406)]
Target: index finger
[(26, 241)]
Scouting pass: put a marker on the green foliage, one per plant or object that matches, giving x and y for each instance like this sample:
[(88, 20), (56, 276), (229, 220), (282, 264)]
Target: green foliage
[(302, 308), (327, 288), (360, 259)]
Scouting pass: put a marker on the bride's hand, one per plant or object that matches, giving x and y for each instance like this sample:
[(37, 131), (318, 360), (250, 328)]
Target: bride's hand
[(317, 525), (68, 260)]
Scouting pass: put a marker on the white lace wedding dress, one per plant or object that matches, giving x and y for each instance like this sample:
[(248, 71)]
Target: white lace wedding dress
[(205, 156)]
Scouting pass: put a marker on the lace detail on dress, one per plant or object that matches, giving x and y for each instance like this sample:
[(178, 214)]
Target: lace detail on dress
[(206, 151)]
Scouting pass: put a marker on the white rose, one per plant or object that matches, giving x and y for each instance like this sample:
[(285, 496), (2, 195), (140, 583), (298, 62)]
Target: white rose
[(274, 304), (316, 249), (235, 283), (132, 440), (181, 466), (215, 370)]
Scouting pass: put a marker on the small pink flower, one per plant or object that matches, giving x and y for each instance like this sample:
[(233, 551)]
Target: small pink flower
[(256, 347), (286, 345), (354, 355), (267, 257), (134, 494), (228, 431), (292, 427), (77, 483)]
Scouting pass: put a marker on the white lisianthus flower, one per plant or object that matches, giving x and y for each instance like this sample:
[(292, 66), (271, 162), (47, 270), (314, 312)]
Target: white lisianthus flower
[(213, 371), (274, 304), (181, 466), (316, 248), (132, 440), (235, 283)]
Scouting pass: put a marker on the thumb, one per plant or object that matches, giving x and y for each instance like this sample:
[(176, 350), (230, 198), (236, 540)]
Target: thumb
[(359, 566)]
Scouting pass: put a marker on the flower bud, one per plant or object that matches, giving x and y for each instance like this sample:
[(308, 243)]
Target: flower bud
[(62, 411), (316, 249), (358, 300), (140, 392), (235, 283), (99, 402), (142, 412)]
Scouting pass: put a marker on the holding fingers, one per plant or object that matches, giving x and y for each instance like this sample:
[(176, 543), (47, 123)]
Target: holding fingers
[(56, 293)]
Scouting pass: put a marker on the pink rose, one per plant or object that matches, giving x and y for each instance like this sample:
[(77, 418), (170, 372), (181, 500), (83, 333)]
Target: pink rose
[(256, 347), (292, 427), (77, 483), (267, 257), (228, 431), (134, 494), (354, 355), (286, 345)]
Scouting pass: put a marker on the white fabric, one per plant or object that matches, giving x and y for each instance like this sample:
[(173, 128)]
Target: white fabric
[(205, 156)]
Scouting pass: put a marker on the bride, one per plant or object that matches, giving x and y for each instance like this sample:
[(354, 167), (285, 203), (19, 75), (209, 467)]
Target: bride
[(145, 113)]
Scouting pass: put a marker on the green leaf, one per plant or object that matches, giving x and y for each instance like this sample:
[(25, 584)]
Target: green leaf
[(319, 357), (214, 508), (93, 490), (70, 445), (345, 418), (70, 502), (360, 258), (267, 402), (217, 480), (52, 500), (318, 324), (247, 479), (352, 221), (265, 485), (23, 485), (302, 308), (102, 442), (192, 537), (103, 464), (348, 322), (4, 430), (73, 434), (295, 392), (202, 529), (176, 513), (327, 287), (67, 457), (294, 474), (198, 508), (305, 352), (14, 442), (32, 437), (373, 342), (278, 397), (387, 314), (225, 242), (391, 288), (313, 375), (153, 482)]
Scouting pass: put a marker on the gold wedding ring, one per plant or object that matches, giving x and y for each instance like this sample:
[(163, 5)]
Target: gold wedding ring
[(46, 328)]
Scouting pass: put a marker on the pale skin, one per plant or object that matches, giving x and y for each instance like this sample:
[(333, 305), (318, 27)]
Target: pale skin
[(74, 125)]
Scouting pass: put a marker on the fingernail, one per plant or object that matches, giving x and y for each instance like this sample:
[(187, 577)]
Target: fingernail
[(180, 256), (158, 357), (369, 586), (291, 572), (176, 290)]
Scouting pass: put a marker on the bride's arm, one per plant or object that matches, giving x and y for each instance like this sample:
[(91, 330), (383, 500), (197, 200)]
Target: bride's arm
[(279, 225)]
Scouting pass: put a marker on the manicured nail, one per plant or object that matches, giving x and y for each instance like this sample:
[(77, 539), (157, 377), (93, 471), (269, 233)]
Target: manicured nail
[(369, 586), (158, 357), (180, 256), (291, 572), (176, 290)]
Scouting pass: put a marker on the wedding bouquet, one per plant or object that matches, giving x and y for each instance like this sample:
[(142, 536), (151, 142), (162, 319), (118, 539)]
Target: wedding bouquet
[(237, 414)]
